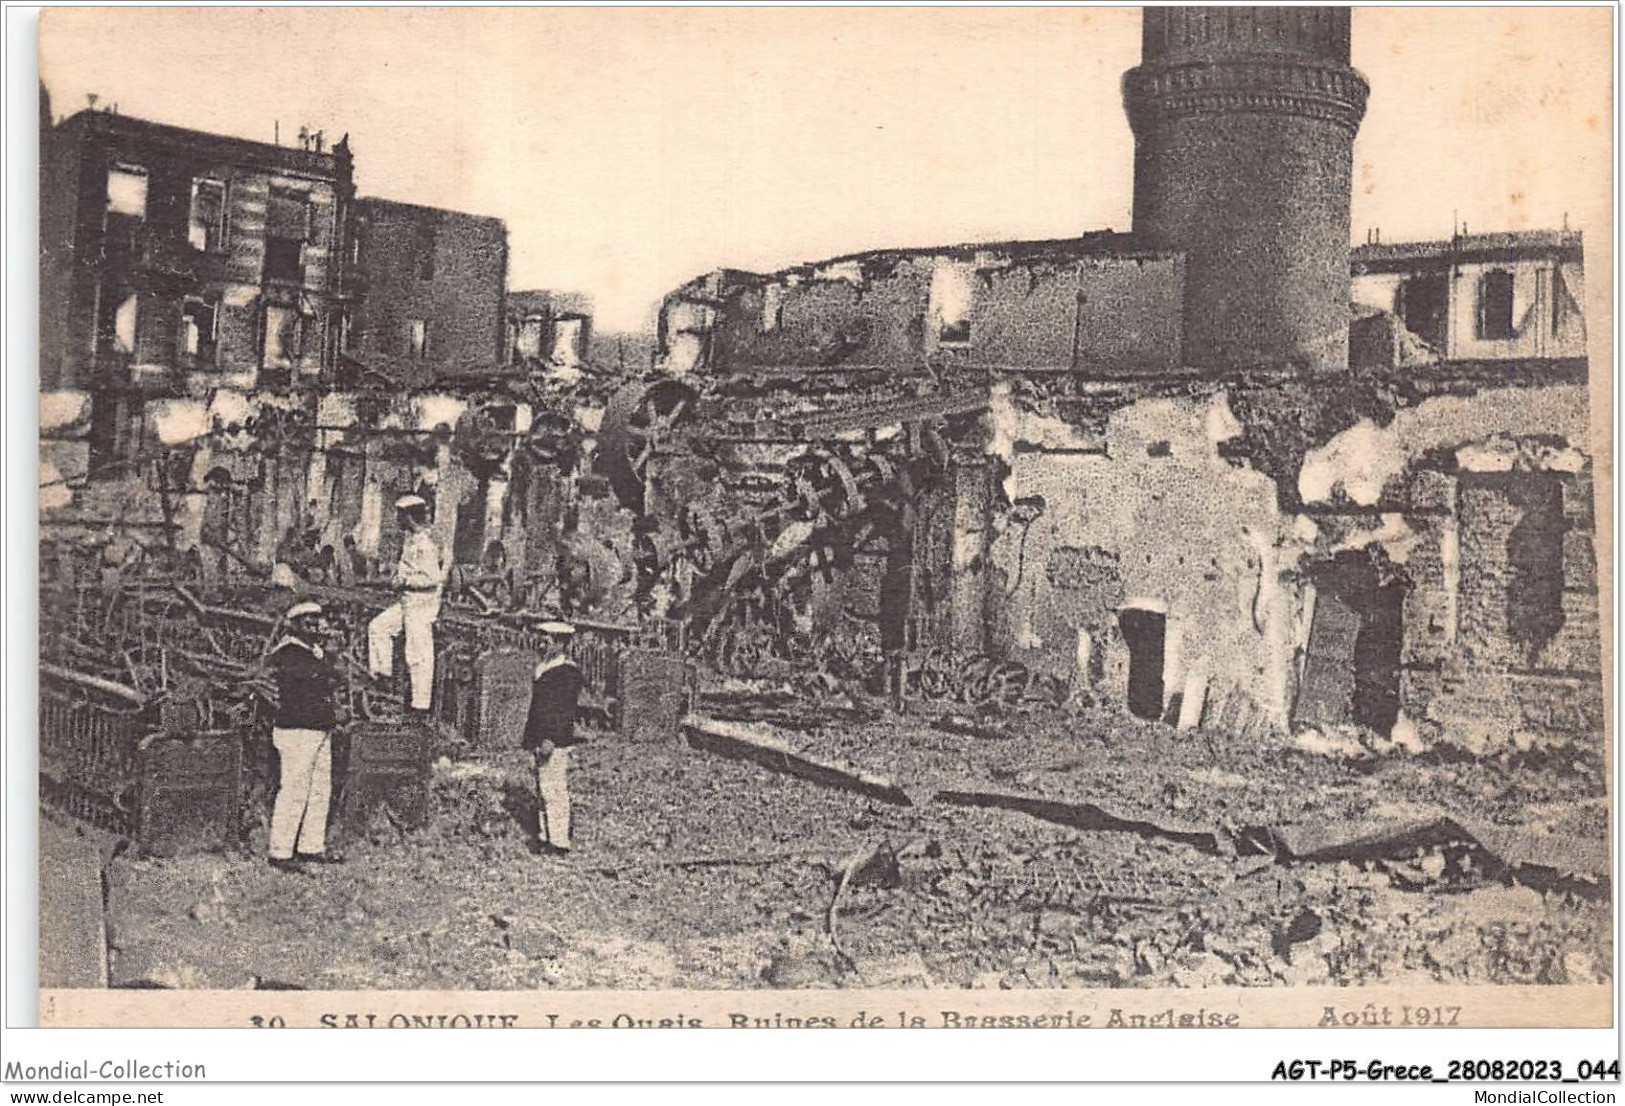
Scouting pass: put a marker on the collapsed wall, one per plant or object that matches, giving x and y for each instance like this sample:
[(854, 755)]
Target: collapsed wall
[(1151, 573), (223, 480), (1406, 548)]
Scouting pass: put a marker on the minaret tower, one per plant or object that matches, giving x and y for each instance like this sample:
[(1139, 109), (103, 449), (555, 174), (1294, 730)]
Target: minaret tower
[(1244, 122)]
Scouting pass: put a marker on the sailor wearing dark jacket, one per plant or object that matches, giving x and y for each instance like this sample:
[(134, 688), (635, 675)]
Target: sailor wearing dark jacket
[(550, 734), (302, 732)]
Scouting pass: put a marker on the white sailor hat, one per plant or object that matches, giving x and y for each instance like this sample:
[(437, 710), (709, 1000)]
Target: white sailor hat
[(556, 629), (299, 610), (410, 502)]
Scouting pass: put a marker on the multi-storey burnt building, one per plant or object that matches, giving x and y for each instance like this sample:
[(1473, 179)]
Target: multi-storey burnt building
[(1153, 472), (231, 340), (175, 262), (1218, 469)]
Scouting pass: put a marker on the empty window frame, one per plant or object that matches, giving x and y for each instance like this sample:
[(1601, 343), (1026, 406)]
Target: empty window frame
[(116, 330), (567, 336), (288, 225), (1495, 305), (288, 215), (950, 307), (418, 338), (1422, 302), (127, 191), (206, 228), (199, 331), (1562, 298), (528, 337), (281, 337), (284, 260), (772, 307)]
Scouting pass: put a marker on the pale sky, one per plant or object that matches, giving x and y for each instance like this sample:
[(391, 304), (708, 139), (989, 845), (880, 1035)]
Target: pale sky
[(631, 149)]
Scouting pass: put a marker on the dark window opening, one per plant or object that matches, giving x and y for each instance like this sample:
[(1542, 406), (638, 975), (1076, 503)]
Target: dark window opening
[(1535, 559), (1145, 633), (1351, 670), (427, 233), (158, 341), (206, 229), (1423, 305), (288, 226), (112, 437), (1560, 292), (284, 260), (1495, 305)]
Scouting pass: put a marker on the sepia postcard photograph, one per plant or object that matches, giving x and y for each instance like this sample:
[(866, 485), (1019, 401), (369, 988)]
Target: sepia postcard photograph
[(814, 517)]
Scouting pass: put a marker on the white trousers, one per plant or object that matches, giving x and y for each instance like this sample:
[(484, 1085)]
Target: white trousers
[(299, 818), (553, 798), (413, 615)]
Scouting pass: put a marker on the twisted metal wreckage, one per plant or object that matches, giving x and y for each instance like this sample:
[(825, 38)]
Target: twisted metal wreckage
[(1168, 471), (152, 683), (152, 670)]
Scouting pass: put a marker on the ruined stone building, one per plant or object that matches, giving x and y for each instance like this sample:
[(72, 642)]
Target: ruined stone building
[(432, 285), (548, 329), (174, 262), (1161, 476), (233, 343), (1219, 469), (1483, 297)]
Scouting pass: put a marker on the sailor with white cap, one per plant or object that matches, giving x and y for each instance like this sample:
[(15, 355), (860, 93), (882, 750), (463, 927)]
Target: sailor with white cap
[(420, 576), (302, 732), (550, 734)]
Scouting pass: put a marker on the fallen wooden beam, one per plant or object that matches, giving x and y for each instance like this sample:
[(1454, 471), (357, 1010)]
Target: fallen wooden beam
[(241, 614), (1532, 859), (1090, 816), (107, 687), (742, 741), (1544, 862)]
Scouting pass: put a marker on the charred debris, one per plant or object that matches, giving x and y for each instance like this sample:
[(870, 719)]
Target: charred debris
[(1167, 485)]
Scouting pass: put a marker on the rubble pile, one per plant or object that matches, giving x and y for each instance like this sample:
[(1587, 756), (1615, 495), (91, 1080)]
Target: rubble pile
[(694, 870)]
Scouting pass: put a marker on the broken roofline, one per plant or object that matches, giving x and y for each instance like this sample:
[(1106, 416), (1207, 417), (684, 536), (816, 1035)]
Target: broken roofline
[(560, 302), (1372, 257), (1094, 244), (241, 151), (1376, 257), (366, 204)]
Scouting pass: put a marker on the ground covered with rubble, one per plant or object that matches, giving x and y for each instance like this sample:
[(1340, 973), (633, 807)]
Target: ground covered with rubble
[(1050, 849)]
